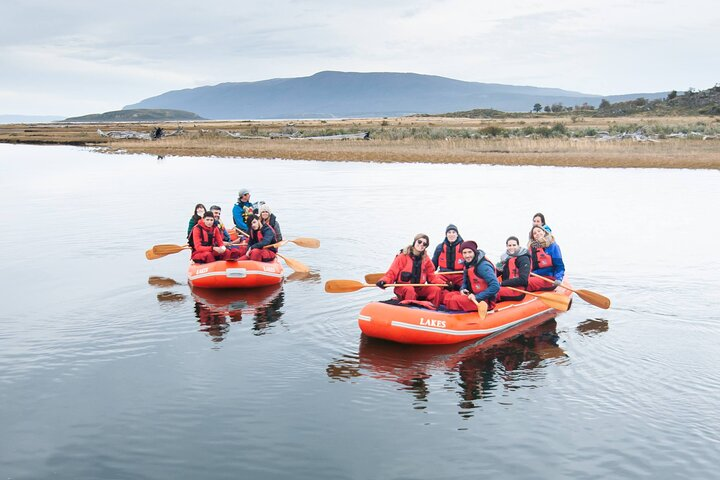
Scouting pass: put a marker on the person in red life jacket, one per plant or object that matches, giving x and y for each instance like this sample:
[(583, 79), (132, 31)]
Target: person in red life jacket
[(266, 216), (207, 243), (218, 223), (515, 266), (413, 265), (479, 280), (546, 259), (261, 235), (447, 256)]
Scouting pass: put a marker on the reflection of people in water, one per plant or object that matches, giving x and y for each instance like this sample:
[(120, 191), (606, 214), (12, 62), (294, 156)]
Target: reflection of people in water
[(481, 374), (215, 308), (268, 314), (481, 367), (213, 323)]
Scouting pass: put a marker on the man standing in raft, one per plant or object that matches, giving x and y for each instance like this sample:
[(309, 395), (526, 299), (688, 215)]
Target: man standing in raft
[(261, 235), (207, 242), (413, 265), (479, 280), (447, 256)]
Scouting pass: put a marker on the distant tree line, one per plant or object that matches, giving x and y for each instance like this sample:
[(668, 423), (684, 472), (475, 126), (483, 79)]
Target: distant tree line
[(559, 107)]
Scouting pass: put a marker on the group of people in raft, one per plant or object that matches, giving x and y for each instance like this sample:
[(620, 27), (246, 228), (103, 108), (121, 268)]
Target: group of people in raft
[(255, 224), (479, 278)]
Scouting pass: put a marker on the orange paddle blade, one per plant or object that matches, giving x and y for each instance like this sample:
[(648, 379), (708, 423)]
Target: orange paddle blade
[(294, 264), (373, 277), (168, 249), (306, 242), (344, 286)]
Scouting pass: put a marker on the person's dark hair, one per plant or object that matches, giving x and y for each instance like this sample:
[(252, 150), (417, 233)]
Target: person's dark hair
[(195, 216), (215, 207), (208, 214), (250, 218), (512, 238), (542, 217)]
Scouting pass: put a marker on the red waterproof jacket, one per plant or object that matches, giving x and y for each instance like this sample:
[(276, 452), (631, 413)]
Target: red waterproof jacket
[(401, 270), (204, 238)]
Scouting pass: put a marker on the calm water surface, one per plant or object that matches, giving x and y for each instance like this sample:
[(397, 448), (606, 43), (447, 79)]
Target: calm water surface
[(112, 367)]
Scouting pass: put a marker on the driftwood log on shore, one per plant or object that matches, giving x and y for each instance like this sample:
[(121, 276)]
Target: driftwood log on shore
[(155, 134)]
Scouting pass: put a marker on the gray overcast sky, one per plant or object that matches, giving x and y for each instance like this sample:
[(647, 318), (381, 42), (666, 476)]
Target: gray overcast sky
[(77, 57)]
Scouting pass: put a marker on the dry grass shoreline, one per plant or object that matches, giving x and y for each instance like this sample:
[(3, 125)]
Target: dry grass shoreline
[(387, 145)]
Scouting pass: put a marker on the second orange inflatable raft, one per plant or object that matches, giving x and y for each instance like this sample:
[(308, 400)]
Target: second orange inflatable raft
[(235, 274), (413, 325)]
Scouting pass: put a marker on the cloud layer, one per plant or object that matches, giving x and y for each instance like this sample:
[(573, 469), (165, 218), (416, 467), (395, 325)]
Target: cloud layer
[(72, 58)]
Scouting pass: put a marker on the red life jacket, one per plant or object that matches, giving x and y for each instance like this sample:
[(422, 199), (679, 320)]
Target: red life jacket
[(477, 283), (442, 259), (206, 238), (513, 270), (540, 259), (406, 270)]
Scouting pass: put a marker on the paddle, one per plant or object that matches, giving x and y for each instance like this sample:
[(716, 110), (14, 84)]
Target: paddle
[(168, 249), (150, 255), (553, 300), (294, 264), (300, 241), (481, 306), (346, 286), (587, 295), (375, 277)]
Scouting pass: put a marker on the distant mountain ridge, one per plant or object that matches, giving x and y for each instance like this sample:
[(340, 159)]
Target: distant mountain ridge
[(137, 115), (349, 94)]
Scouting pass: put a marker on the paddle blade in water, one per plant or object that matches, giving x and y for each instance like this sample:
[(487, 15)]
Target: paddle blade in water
[(307, 242), (294, 264), (594, 298), (556, 301)]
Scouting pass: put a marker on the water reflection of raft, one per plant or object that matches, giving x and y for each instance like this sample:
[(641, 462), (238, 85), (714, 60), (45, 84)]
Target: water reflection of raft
[(413, 325), (237, 274)]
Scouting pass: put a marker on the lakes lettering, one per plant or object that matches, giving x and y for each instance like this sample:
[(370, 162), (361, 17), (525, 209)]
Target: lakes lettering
[(428, 322), (202, 270)]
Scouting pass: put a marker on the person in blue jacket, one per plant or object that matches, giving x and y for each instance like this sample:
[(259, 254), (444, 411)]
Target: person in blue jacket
[(242, 210), (479, 281), (546, 260)]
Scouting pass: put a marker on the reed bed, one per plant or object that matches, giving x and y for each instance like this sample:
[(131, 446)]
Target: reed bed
[(411, 139)]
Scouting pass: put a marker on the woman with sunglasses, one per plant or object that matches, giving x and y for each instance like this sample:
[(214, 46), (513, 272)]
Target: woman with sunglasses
[(413, 265)]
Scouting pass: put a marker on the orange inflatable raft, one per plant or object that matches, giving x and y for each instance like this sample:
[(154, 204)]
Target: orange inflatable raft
[(235, 274), (415, 325)]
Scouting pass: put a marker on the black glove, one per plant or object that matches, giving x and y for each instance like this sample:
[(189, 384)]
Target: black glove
[(381, 284), (450, 286)]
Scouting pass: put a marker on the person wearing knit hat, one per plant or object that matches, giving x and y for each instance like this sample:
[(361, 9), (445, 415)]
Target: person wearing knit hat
[(413, 265), (479, 281), (242, 209), (546, 259), (268, 218), (447, 256)]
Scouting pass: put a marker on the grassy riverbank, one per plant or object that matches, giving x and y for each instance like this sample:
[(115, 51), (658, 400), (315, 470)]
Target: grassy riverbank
[(652, 142)]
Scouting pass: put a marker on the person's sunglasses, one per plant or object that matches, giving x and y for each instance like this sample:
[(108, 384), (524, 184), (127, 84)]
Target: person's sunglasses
[(421, 242)]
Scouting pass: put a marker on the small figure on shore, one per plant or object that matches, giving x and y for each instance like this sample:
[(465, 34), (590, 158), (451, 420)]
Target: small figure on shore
[(447, 256), (479, 281), (413, 265)]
